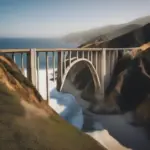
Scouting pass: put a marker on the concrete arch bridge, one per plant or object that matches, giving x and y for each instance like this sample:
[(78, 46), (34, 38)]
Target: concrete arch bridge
[(88, 69), (84, 67)]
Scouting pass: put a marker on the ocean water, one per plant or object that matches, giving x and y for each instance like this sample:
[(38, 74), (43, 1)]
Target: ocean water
[(8, 43), (28, 43)]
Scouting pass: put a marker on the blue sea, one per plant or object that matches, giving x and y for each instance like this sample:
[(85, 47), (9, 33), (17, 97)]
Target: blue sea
[(25, 43)]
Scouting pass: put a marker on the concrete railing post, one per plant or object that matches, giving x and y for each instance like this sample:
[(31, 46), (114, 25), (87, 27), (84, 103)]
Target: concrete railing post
[(31, 66), (59, 72), (103, 75)]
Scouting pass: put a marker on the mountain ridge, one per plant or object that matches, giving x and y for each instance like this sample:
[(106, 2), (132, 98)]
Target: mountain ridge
[(88, 35)]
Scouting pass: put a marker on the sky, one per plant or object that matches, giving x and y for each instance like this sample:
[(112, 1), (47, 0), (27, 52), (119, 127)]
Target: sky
[(54, 18)]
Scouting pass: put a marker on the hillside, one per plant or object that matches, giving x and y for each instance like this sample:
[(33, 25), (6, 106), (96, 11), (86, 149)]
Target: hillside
[(101, 32), (84, 36), (112, 35), (130, 38), (27, 122)]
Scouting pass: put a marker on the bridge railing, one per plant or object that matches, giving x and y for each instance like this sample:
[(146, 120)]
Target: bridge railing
[(58, 60), (23, 54), (28, 61)]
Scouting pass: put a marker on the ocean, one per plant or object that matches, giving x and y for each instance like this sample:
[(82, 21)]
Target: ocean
[(28, 43)]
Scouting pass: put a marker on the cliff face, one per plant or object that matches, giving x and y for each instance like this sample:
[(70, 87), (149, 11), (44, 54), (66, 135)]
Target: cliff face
[(129, 89), (26, 122)]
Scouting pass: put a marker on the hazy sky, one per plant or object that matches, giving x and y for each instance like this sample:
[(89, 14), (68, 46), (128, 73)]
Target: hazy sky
[(59, 17)]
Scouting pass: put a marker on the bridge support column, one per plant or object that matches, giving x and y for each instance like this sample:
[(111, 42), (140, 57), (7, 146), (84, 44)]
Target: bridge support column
[(108, 66), (60, 72), (31, 66), (113, 60), (103, 71)]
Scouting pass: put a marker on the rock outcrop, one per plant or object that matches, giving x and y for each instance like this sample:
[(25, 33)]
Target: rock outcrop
[(129, 89), (27, 122)]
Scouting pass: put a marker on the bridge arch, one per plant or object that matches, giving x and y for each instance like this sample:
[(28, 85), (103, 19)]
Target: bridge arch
[(89, 65)]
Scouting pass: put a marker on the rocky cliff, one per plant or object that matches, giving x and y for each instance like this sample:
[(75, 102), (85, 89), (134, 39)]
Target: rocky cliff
[(129, 88), (26, 122)]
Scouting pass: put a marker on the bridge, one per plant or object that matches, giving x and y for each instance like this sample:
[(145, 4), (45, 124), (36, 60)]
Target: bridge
[(100, 62)]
